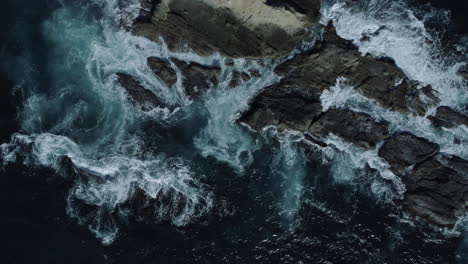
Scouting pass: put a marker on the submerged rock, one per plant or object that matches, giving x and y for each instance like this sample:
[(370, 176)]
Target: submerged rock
[(138, 94), (234, 28), (448, 118)]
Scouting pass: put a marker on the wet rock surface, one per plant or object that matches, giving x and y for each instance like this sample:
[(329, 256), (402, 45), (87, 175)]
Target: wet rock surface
[(355, 127), (282, 108), (378, 79), (448, 118), (238, 78), (138, 94), (404, 149), (163, 70), (435, 182), (437, 189), (197, 78), (309, 7)]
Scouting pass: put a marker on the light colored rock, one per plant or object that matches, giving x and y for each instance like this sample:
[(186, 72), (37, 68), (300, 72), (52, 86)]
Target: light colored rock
[(255, 14), (242, 28)]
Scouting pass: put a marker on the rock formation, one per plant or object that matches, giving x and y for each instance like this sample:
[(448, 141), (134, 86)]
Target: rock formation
[(358, 128), (233, 28), (436, 183), (138, 94), (437, 189), (448, 118), (163, 70), (404, 150), (197, 78)]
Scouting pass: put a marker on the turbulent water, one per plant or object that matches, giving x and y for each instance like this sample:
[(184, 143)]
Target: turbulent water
[(222, 192)]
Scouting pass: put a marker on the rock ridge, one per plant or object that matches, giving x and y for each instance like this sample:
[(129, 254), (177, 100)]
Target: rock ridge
[(436, 184)]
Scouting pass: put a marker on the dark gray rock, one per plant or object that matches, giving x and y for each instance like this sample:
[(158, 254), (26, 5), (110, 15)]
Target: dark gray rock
[(437, 189), (163, 70), (282, 108), (378, 79), (437, 184), (198, 78), (404, 149), (147, 9), (358, 128), (238, 78), (447, 117), (138, 94), (293, 103)]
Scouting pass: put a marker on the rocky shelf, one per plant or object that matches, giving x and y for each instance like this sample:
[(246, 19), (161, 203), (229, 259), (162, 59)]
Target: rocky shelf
[(436, 183)]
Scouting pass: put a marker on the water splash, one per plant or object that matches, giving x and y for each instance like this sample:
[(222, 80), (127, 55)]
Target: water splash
[(391, 29), (289, 168), (343, 95)]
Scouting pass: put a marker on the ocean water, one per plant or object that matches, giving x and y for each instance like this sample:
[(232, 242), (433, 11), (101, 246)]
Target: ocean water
[(221, 193)]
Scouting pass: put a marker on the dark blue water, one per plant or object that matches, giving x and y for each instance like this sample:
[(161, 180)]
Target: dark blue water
[(339, 224)]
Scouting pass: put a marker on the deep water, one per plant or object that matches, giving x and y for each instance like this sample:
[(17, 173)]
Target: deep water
[(230, 195)]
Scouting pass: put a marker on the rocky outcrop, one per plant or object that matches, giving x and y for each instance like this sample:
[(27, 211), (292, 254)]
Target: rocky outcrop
[(378, 79), (238, 78), (233, 28), (139, 95), (358, 128), (197, 78), (163, 70), (437, 189), (404, 149), (448, 118), (437, 184), (294, 103), (282, 108), (288, 110)]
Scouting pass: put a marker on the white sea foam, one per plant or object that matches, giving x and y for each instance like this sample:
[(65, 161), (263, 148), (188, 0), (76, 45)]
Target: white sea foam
[(343, 95), (288, 166), (86, 116), (389, 28), (223, 138), (109, 183)]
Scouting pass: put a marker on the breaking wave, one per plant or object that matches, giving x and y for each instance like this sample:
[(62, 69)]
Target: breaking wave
[(83, 126)]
